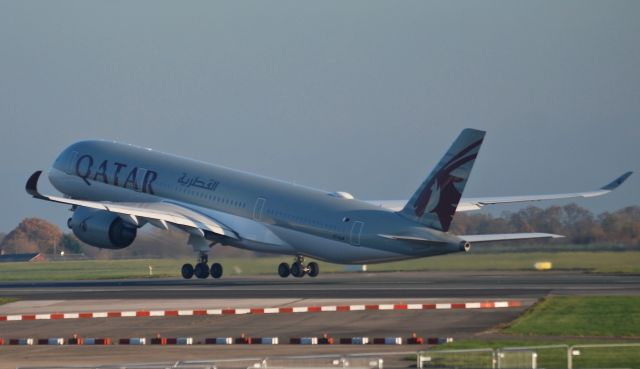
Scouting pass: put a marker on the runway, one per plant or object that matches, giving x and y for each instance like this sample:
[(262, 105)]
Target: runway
[(399, 285), (250, 291)]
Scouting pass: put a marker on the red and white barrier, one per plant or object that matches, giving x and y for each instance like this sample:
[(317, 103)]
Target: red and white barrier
[(273, 310)]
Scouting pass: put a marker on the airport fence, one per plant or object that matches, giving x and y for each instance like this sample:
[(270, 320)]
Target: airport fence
[(604, 355), (616, 355), (470, 358), (351, 361), (322, 362)]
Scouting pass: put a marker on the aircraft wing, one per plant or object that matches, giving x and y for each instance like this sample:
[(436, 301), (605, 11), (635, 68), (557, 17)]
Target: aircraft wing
[(156, 213), (467, 204), (476, 238)]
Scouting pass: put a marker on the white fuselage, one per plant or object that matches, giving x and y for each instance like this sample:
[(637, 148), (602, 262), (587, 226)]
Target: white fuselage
[(268, 215)]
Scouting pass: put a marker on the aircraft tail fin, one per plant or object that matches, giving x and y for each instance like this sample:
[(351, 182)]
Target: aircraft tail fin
[(435, 201)]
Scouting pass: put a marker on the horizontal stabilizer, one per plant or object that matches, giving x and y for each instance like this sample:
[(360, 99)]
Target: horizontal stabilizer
[(476, 238)]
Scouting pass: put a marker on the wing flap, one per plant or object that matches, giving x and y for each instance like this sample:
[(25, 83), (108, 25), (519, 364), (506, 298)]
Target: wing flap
[(160, 212)]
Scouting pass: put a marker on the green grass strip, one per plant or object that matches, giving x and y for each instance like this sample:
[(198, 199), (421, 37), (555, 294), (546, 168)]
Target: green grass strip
[(6, 300), (613, 316), (606, 262), (607, 357), (601, 262)]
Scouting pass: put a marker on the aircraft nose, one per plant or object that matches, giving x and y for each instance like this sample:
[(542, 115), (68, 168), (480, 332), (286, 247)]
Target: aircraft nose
[(66, 159)]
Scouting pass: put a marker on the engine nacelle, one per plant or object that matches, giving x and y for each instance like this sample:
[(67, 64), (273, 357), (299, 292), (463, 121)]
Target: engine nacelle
[(465, 246), (101, 228)]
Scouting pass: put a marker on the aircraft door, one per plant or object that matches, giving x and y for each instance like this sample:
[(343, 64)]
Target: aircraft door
[(356, 232), (258, 208)]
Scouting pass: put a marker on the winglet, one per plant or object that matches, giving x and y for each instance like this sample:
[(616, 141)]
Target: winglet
[(32, 185), (617, 182)]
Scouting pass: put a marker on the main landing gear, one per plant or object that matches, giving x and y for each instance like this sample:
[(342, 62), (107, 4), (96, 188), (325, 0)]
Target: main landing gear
[(298, 268), (202, 269)]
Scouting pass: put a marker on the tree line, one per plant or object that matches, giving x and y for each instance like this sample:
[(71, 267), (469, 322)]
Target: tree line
[(577, 224)]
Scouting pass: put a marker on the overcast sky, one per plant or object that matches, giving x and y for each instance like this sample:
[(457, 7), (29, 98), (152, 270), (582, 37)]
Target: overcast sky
[(360, 96)]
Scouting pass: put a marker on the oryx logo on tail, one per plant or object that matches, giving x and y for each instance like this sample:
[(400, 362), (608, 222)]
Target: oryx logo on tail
[(435, 202)]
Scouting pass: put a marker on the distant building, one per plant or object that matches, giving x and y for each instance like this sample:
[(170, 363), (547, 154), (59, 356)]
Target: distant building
[(8, 258)]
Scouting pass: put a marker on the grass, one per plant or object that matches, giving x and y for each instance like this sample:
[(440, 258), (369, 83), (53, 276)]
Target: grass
[(613, 316), (605, 357), (551, 321), (6, 300), (617, 262), (138, 268), (601, 262)]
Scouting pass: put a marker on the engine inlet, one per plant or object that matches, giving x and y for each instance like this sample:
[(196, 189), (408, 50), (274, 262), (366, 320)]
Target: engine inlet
[(465, 246)]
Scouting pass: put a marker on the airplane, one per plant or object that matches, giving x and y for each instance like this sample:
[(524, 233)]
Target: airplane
[(115, 188)]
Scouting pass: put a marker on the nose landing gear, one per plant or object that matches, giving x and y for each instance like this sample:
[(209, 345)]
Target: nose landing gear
[(298, 268)]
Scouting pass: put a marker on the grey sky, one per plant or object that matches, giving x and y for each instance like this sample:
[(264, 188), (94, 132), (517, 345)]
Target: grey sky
[(362, 96)]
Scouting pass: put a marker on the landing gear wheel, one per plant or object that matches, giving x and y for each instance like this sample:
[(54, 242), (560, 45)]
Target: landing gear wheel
[(187, 271), (297, 270), (201, 270), (216, 270), (283, 270), (313, 269)]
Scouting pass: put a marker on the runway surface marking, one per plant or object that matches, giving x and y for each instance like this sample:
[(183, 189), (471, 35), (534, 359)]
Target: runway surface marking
[(263, 310)]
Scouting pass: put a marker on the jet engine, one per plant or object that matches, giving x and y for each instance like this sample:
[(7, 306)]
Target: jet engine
[(465, 246), (101, 228)]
